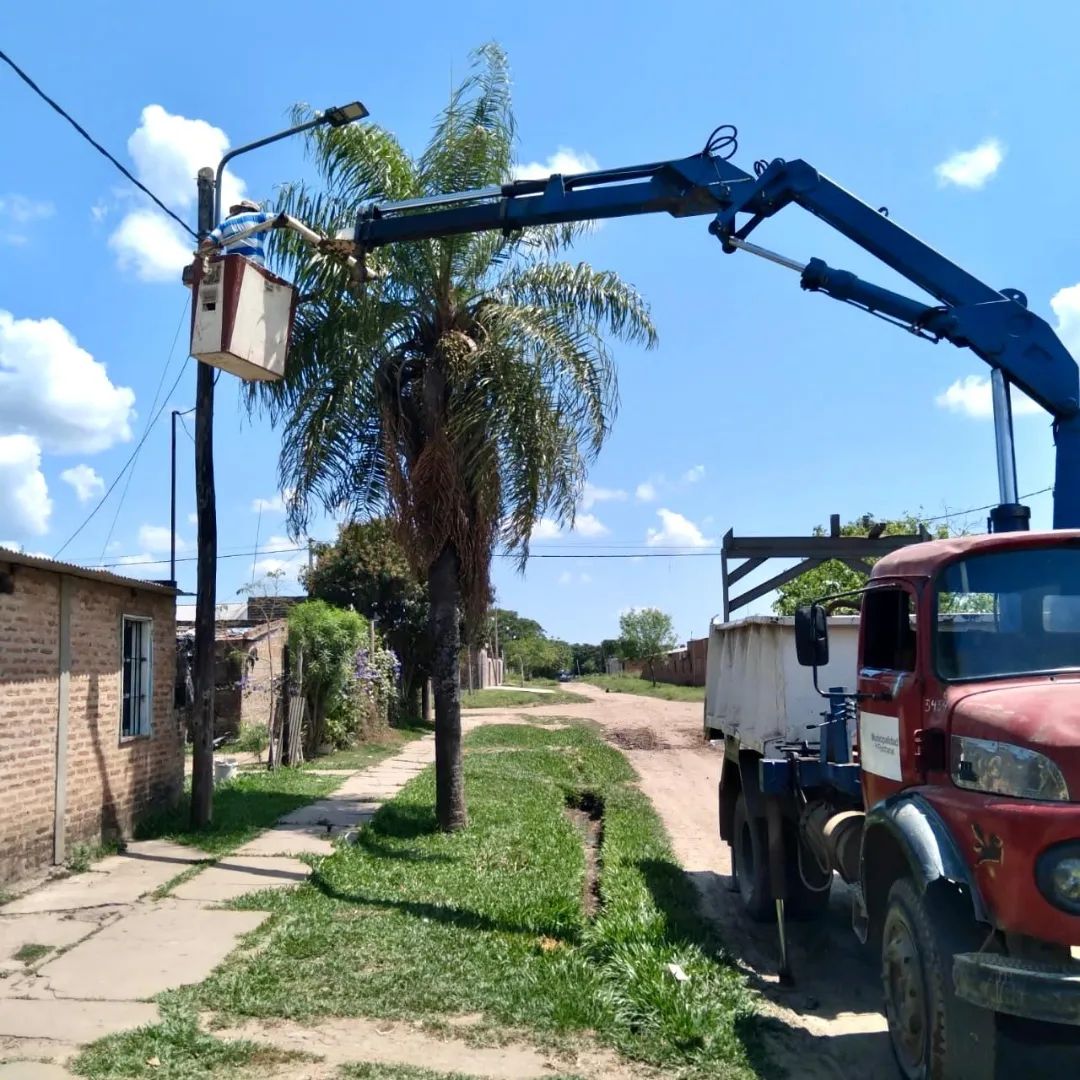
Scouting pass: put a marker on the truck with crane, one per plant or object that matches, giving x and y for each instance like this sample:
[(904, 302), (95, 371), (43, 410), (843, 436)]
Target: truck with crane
[(943, 779)]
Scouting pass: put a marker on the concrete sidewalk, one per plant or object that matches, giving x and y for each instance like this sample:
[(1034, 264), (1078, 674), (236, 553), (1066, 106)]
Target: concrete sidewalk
[(111, 947)]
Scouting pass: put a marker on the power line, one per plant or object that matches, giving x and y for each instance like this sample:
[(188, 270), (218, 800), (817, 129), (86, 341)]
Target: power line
[(157, 395), (116, 480), (708, 553), (92, 141), (988, 506)]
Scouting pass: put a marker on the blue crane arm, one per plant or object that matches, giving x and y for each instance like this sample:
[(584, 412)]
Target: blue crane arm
[(995, 324)]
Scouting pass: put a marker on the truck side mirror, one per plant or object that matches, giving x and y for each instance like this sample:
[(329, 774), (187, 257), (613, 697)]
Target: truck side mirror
[(811, 636)]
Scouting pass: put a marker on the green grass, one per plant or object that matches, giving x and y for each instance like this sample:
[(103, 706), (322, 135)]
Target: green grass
[(243, 807), (631, 684), (31, 952), (174, 1049), (384, 745), (414, 924), (506, 697), (409, 1072), (81, 857)]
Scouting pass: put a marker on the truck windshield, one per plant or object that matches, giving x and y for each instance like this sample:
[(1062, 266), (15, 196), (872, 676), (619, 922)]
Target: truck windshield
[(1009, 613)]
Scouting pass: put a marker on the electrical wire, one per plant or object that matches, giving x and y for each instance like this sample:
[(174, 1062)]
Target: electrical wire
[(93, 142), (153, 404), (652, 554), (116, 480), (988, 506)]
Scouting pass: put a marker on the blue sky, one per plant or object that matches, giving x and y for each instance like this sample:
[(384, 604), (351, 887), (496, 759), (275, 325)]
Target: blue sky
[(764, 409)]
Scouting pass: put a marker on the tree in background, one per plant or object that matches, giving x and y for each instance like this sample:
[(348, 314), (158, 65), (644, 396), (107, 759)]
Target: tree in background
[(587, 659), (644, 634), (541, 656), (834, 576), (365, 568), (463, 393), (329, 638), (511, 627)]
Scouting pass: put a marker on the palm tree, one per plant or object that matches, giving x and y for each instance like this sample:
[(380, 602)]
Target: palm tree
[(464, 393)]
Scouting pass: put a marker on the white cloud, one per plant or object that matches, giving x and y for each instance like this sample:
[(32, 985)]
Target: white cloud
[(645, 491), (149, 244), (143, 566), (168, 151), (98, 212), (593, 495), (24, 494), (54, 390), (676, 531), (564, 162), (158, 537), (569, 578), (193, 518), (589, 525), (281, 559), (268, 506), (693, 475), (971, 168), (18, 211), (971, 396), (584, 525), (545, 529), (1066, 306), (85, 480), (11, 545)]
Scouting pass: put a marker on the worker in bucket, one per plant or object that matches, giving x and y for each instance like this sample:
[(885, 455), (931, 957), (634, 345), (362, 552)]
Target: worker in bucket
[(242, 216)]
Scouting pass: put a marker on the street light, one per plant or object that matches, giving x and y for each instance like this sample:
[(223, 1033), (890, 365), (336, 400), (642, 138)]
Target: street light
[(209, 210), (335, 116)]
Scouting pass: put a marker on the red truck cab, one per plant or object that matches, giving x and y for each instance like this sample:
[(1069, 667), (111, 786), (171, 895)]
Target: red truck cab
[(969, 749)]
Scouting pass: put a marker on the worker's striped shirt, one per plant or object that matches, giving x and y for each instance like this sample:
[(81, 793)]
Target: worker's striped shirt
[(251, 247)]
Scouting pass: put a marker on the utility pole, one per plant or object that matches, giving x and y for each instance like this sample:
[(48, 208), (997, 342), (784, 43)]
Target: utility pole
[(172, 504), (202, 775)]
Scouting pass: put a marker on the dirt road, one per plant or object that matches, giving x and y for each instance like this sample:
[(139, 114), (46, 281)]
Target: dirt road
[(829, 1025)]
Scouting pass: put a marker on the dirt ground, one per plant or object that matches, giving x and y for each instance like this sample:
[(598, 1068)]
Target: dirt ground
[(829, 1024)]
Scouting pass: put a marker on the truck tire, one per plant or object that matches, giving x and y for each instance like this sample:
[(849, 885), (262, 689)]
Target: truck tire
[(934, 1034), (750, 862)]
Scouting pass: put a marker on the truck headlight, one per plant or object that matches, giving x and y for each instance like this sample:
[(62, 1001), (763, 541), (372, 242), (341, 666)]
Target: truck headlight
[(1004, 769), (1057, 873)]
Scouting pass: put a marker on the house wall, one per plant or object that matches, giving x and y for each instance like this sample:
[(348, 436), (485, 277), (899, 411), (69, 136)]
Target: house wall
[(108, 782), (267, 649)]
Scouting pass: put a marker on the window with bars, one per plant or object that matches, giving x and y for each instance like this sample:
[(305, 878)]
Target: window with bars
[(138, 676)]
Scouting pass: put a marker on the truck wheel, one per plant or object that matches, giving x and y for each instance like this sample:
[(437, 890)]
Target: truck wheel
[(750, 862), (934, 1034)]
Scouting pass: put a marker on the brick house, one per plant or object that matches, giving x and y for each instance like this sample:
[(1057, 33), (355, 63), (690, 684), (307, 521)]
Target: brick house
[(89, 738)]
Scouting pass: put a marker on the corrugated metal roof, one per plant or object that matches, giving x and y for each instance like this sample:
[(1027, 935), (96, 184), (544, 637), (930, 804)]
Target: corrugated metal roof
[(54, 566), (233, 612)]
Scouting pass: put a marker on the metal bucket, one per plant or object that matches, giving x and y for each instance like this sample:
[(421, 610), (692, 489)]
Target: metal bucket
[(224, 770)]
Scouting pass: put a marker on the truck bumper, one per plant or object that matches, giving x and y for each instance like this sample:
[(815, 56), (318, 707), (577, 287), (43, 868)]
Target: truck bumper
[(1027, 988)]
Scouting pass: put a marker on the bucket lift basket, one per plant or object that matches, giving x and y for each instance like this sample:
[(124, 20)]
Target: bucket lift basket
[(241, 318)]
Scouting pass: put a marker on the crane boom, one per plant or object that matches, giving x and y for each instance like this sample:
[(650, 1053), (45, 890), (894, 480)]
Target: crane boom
[(1019, 346)]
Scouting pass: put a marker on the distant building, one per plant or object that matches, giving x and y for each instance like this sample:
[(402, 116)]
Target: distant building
[(89, 738), (249, 644)]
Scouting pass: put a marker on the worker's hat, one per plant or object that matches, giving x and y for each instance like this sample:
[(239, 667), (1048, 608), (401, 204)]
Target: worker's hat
[(246, 204)]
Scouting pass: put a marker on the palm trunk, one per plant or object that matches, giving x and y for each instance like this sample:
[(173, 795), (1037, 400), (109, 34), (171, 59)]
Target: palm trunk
[(445, 623)]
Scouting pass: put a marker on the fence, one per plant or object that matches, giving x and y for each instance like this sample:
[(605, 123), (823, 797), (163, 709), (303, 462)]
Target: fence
[(683, 667)]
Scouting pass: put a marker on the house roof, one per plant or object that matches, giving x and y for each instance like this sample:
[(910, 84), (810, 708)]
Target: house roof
[(235, 611), (54, 566)]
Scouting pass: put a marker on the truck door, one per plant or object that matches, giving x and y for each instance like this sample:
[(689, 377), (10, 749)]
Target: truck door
[(888, 674)]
